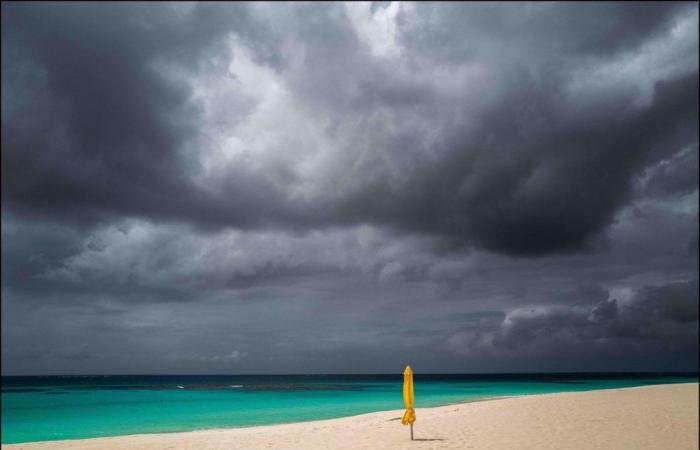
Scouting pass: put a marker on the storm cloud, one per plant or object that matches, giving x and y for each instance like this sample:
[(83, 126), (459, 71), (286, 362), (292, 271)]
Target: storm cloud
[(299, 184), (656, 321)]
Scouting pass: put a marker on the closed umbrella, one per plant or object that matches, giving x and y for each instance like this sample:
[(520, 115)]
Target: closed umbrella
[(410, 415)]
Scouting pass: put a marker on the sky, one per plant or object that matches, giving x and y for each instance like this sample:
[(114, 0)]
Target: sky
[(248, 188)]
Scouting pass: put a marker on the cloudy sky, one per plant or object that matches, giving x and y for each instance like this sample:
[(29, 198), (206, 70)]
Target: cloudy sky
[(338, 188)]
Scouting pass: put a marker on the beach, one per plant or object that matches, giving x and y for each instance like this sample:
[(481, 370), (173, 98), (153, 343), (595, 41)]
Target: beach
[(648, 417)]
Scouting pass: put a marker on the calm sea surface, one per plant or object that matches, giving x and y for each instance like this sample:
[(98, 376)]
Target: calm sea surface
[(52, 408)]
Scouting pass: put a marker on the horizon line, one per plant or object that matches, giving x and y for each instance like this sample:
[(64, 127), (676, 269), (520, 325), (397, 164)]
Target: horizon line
[(695, 372)]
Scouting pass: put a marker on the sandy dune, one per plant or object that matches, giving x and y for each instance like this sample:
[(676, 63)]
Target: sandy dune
[(653, 417)]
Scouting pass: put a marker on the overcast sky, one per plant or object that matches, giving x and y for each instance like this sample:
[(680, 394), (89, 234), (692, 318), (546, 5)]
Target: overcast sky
[(349, 188)]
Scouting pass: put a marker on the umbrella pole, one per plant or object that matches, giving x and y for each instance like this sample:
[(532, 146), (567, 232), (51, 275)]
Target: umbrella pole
[(411, 431)]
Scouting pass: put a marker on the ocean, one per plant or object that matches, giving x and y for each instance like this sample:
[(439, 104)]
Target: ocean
[(73, 407)]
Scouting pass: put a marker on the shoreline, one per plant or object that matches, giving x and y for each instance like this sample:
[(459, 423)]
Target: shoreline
[(641, 399), (310, 421)]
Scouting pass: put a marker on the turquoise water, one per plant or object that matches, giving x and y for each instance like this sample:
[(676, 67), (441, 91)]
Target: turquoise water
[(54, 408)]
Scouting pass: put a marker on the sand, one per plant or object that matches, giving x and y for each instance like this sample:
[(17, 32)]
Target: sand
[(650, 417)]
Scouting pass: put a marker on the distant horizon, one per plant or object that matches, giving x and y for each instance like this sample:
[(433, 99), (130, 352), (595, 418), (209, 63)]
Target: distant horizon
[(360, 374)]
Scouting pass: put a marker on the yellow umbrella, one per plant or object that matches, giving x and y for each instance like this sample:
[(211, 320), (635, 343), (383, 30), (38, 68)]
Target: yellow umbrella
[(410, 415)]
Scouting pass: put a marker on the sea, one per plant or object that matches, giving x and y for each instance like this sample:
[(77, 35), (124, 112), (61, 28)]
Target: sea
[(45, 408)]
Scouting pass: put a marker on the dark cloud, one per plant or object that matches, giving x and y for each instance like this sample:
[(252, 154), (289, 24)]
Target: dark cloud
[(474, 186), (93, 128), (677, 175), (580, 30), (658, 322), (675, 302), (117, 117), (532, 195)]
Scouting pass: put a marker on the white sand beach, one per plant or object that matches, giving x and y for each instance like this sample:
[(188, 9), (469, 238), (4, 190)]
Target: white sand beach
[(650, 417)]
